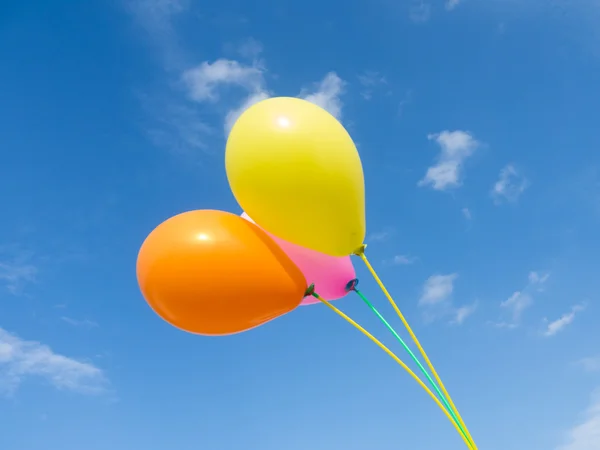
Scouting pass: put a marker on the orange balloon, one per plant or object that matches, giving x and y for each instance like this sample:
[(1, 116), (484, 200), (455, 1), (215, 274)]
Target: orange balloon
[(214, 273)]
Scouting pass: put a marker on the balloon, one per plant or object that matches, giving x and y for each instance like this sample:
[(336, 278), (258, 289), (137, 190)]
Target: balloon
[(214, 273), (295, 170), (329, 274)]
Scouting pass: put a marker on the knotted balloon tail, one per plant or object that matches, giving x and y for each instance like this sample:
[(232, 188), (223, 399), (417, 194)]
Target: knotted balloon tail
[(310, 291), (352, 287), (361, 254)]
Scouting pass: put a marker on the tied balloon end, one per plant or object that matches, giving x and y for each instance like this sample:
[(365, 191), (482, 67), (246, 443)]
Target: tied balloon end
[(351, 286), (360, 251), (310, 291)]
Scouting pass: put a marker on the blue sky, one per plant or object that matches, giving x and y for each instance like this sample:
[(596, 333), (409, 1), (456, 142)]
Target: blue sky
[(477, 126)]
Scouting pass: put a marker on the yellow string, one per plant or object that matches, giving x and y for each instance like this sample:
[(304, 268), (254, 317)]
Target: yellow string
[(362, 256), (399, 361)]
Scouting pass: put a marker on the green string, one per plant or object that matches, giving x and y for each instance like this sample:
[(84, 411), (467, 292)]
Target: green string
[(416, 360)]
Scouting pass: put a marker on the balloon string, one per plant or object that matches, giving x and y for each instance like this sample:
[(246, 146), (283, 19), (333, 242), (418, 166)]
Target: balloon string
[(415, 359), (398, 360), (360, 253)]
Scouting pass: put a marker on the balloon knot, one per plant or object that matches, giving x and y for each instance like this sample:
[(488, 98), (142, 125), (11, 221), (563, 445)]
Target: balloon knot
[(351, 286), (360, 250), (309, 290)]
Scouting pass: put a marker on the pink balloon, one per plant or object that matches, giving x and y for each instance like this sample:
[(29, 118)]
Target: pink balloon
[(329, 274)]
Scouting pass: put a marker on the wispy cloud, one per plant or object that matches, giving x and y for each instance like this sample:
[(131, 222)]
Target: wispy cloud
[(85, 323), (370, 81), (250, 49), (380, 236), (21, 359), (157, 18), (17, 269), (516, 304), (327, 94), (455, 148), (419, 11), (403, 260), (538, 279), (205, 80), (405, 101), (205, 83), (233, 114), (510, 185), (225, 84), (563, 321), (208, 80), (16, 275), (586, 434), (461, 313), (589, 364), (436, 299), (467, 213), (174, 123), (400, 260), (519, 301), (437, 289), (452, 4), (177, 126)]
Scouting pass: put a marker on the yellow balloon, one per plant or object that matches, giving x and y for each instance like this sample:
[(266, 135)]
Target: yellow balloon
[(295, 170)]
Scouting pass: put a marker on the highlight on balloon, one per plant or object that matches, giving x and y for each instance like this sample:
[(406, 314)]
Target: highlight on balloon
[(298, 178)]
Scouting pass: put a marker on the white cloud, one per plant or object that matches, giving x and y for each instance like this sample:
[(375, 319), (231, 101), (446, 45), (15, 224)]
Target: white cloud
[(510, 185), (204, 80), (467, 213), (589, 364), (586, 434), (451, 4), (21, 359), (437, 289), (561, 323), (327, 94), (519, 301), (455, 148)]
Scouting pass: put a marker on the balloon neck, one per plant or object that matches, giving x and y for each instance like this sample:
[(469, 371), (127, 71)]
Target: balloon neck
[(310, 290), (360, 251), (351, 286)]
